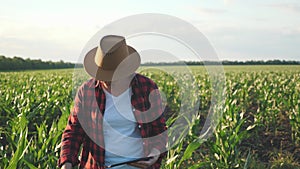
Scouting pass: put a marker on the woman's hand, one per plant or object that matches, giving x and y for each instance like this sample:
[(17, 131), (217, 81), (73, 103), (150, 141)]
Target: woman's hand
[(145, 164), (67, 166)]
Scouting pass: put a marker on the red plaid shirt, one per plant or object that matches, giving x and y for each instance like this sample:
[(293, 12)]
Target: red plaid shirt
[(84, 126)]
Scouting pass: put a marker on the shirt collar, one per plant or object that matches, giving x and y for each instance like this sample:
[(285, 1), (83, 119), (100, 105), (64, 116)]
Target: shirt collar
[(96, 83)]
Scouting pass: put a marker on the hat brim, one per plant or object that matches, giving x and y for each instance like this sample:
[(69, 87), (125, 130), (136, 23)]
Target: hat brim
[(127, 67)]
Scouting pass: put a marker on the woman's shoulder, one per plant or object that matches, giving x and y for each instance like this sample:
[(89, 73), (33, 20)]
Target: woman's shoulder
[(143, 78), (145, 81), (90, 83)]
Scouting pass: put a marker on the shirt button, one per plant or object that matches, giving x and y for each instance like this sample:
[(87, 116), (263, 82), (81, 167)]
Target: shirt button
[(143, 143), (139, 126), (133, 109)]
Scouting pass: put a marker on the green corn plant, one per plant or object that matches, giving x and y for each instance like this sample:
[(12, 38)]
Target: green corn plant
[(21, 148), (225, 151), (17, 140), (34, 106)]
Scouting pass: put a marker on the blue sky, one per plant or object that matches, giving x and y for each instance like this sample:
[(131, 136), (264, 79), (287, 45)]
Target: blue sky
[(238, 30)]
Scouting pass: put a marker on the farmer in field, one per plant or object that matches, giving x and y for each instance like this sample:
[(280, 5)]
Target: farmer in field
[(117, 115)]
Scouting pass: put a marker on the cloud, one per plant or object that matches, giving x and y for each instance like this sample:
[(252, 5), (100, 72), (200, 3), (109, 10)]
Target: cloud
[(264, 44), (290, 7), (291, 31), (38, 49), (206, 11), (209, 11), (228, 2)]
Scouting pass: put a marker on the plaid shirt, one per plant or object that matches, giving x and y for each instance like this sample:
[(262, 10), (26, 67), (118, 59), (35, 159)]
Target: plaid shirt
[(85, 128)]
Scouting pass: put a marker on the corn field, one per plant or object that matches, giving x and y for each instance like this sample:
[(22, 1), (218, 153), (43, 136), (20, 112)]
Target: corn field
[(259, 125)]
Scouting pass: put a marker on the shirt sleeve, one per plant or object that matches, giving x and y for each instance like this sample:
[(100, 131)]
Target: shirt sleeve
[(73, 134), (158, 135)]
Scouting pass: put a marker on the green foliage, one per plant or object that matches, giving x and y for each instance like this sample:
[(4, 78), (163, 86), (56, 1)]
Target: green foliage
[(34, 107), (261, 115), (18, 63)]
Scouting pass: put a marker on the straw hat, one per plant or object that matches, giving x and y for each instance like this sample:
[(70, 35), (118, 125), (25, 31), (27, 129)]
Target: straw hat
[(113, 59)]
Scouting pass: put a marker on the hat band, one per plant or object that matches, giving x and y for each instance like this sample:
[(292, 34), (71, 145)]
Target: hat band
[(111, 59)]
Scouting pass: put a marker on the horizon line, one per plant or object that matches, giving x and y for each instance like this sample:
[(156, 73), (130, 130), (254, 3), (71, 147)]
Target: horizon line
[(225, 60)]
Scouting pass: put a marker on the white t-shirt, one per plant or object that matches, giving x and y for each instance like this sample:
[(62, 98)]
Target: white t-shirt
[(122, 138)]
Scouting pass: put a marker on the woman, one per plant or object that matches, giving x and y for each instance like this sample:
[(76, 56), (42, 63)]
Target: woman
[(117, 115)]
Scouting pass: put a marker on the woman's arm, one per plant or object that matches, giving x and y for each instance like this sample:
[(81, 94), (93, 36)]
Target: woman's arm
[(72, 136), (67, 166)]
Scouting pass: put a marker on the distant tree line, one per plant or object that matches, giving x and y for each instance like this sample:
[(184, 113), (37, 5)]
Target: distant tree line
[(251, 62), (18, 63)]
